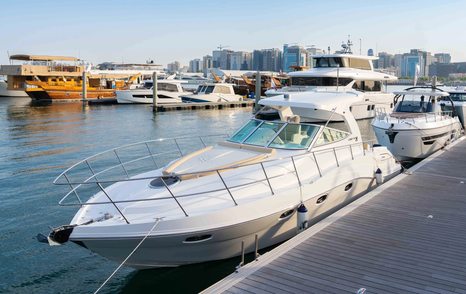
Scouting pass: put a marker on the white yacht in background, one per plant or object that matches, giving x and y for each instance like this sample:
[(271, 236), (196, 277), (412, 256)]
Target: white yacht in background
[(418, 126), (343, 72), (201, 206), (213, 92), (168, 91), (458, 96), (5, 92)]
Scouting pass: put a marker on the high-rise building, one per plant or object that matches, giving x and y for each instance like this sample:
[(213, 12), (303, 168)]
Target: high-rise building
[(267, 59), (385, 60), (173, 67), (240, 60), (416, 58), (207, 64), (311, 52), (195, 65), (293, 56), (221, 58), (443, 57)]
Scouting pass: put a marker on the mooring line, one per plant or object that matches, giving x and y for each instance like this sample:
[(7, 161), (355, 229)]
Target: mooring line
[(157, 220)]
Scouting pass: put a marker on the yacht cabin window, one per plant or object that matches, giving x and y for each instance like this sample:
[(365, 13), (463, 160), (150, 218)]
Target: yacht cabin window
[(368, 86), (329, 135), (358, 63), (222, 89), (276, 134), (458, 97), (319, 81), (167, 87), (208, 89), (328, 62)]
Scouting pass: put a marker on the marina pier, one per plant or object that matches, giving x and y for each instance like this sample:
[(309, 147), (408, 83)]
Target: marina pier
[(407, 236)]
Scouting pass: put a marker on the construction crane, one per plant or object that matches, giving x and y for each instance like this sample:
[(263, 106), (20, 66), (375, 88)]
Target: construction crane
[(221, 47)]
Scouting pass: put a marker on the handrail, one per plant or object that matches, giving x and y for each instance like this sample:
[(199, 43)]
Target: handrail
[(381, 114), (93, 179)]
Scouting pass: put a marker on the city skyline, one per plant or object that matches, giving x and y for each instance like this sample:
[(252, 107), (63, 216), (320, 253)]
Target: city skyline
[(121, 31)]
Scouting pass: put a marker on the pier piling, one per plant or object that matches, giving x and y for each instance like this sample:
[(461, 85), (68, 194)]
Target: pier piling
[(154, 91), (257, 94)]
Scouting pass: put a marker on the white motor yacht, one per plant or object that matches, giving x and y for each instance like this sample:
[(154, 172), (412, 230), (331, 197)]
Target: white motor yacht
[(168, 91), (418, 126), (201, 206), (344, 71), (213, 92), (458, 97)]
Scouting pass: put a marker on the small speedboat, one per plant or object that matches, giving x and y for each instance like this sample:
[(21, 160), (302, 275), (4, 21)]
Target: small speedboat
[(458, 97), (419, 125), (267, 182)]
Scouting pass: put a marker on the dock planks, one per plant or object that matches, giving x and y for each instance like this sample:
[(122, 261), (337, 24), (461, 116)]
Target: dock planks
[(407, 236)]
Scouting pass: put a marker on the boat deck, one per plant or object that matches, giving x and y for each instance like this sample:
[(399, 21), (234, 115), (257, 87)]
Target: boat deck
[(407, 236)]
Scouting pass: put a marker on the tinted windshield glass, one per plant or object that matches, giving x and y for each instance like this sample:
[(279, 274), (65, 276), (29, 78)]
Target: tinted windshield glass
[(415, 106), (271, 134), (328, 62), (458, 96), (319, 81), (209, 89)]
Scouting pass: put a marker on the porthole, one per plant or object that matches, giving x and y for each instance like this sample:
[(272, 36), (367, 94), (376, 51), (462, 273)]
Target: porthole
[(349, 186), (321, 199), (286, 214), (197, 239)]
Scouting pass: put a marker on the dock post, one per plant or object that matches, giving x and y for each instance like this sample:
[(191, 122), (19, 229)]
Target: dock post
[(84, 87), (257, 94), (154, 91)]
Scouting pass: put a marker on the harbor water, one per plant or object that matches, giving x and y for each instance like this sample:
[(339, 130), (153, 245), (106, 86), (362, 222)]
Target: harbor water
[(40, 141)]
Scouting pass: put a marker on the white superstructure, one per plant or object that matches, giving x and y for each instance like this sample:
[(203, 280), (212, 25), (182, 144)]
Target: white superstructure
[(168, 91), (213, 92), (344, 72), (202, 205), (418, 126)]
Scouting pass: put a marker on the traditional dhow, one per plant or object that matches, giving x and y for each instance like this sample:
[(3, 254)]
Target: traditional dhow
[(269, 180), (418, 126)]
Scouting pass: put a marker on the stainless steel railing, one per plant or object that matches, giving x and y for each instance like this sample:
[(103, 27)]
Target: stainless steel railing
[(94, 177), (382, 115)]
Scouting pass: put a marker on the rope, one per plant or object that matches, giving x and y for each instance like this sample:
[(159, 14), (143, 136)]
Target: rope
[(126, 259)]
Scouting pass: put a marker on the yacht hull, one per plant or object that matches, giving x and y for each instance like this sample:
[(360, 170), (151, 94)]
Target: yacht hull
[(5, 92), (211, 98), (171, 249), (146, 97), (413, 144)]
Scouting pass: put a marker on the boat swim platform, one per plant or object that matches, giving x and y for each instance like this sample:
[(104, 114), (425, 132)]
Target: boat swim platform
[(203, 105), (406, 236)]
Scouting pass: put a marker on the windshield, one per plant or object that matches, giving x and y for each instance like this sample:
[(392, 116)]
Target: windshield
[(458, 96), (414, 106), (276, 134)]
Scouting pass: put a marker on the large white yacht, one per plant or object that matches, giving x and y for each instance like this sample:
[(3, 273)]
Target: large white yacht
[(168, 91), (418, 126), (201, 206), (213, 92), (344, 71)]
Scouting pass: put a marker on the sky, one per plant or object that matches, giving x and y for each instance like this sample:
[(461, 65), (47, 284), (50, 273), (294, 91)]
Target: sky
[(165, 31)]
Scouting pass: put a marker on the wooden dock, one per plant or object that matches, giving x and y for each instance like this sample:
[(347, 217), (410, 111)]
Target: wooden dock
[(204, 105), (407, 236)]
